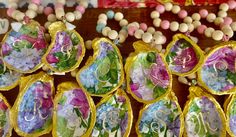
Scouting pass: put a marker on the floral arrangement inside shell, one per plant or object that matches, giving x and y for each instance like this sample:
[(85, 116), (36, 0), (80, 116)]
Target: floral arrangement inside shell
[(66, 50), (147, 74), (162, 118), (103, 73), (114, 116), (74, 113), (203, 115), (218, 73), (33, 108), (23, 48), (183, 55)]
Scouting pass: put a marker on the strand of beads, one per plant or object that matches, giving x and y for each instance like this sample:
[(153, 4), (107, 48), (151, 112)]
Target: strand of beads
[(33, 9), (107, 31)]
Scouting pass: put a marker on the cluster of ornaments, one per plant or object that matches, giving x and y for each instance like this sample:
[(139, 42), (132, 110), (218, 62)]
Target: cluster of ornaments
[(147, 74)]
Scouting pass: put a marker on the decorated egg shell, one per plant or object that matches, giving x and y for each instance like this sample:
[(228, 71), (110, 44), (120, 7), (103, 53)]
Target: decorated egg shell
[(203, 115), (33, 108), (66, 50), (113, 116), (75, 112), (103, 73), (162, 118), (23, 49), (8, 78), (183, 55), (147, 74), (218, 73), (5, 125), (230, 112)]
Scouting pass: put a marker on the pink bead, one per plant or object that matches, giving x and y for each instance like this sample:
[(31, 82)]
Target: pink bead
[(182, 14), (228, 20), (131, 30), (165, 24), (81, 9), (203, 13), (36, 2), (201, 29), (48, 10), (10, 11), (143, 26), (160, 9), (232, 4), (59, 6)]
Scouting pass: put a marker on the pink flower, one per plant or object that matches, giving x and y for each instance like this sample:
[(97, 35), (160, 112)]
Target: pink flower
[(121, 99), (134, 88), (80, 100), (28, 38), (51, 59), (6, 49), (40, 44), (159, 76), (228, 87), (3, 106)]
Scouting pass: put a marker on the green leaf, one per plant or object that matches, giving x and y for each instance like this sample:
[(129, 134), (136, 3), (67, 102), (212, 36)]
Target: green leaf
[(149, 84), (62, 127), (151, 57), (122, 114), (171, 117), (106, 134), (76, 110), (75, 40), (115, 128), (194, 108), (89, 120), (158, 91), (62, 100), (1, 68), (103, 67), (113, 76), (231, 76)]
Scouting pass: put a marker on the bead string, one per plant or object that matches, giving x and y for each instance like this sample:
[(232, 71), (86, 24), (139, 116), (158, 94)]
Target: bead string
[(33, 9)]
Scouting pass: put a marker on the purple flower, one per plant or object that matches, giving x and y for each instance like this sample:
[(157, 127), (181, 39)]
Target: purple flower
[(80, 101), (134, 88), (159, 76), (175, 126), (121, 99), (228, 87), (6, 49), (232, 123), (123, 124)]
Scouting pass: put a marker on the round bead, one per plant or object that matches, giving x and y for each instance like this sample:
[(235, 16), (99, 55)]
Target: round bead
[(228, 20), (119, 16), (196, 24), (168, 6), (155, 14), (102, 21), (188, 19), (78, 15), (80, 8), (233, 26), (47, 24), (182, 14), (84, 3), (217, 35), (158, 47), (160, 9), (105, 31), (59, 6), (112, 34), (123, 22), (157, 33), (131, 30), (228, 32), (45, 68), (225, 26), (73, 73), (224, 7), (151, 30), (190, 27), (183, 27), (123, 32), (88, 44), (138, 34), (174, 26), (31, 14), (99, 27), (218, 20), (175, 9), (62, 1), (232, 4), (52, 17), (70, 17), (143, 26), (33, 6), (110, 14), (40, 9), (222, 13), (36, 2), (20, 16), (159, 39), (196, 16), (208, 32), (12, 5), (157, 22), (165, 24), (147, 37), (102, 16), (201, 29), (10, 11), (211, 17), (48, 10), (203, 13), (59, 13), (136, 24), (121, 38)]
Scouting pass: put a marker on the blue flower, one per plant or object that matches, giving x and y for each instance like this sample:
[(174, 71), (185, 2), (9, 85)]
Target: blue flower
[(88, 78)]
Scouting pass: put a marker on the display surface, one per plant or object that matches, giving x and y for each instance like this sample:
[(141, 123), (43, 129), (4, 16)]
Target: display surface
[(86, 27)]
